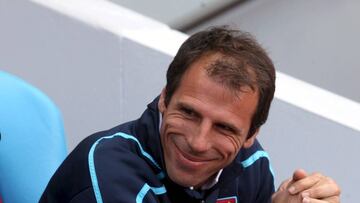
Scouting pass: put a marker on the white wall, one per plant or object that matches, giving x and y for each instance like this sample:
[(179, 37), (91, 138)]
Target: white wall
[(96, 76), (316, 41), (176, 14)]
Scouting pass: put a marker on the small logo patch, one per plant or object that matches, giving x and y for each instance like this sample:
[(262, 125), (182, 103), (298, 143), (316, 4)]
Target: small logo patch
[(227, 200)]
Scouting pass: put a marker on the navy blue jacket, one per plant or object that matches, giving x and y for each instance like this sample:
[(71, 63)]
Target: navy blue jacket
[(125, 165)]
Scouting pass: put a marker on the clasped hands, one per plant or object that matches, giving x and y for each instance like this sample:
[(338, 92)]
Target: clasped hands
[(307, 188)]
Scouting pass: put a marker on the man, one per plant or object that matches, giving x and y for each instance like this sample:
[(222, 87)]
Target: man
[(196, 142)]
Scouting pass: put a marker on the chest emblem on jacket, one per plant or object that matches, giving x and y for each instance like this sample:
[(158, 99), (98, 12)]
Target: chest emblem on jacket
[(227, 200)]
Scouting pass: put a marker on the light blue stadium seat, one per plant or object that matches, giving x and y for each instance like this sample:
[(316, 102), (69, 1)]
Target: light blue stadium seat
[(32, 143)]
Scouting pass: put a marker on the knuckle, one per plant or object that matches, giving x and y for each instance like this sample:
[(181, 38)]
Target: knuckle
[(336, 187), (338, 190), (318, 175), (335, 199), (330, 179)]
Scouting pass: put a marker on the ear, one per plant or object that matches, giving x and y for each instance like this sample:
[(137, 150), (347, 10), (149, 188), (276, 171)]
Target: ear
[(161, 104), (250, 141)]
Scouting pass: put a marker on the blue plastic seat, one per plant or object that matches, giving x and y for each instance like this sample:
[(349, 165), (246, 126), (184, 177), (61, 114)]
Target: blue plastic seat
[(32, 143)]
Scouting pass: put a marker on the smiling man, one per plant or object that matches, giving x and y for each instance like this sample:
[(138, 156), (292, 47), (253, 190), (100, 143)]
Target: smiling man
[(196, 142), (204, 124)]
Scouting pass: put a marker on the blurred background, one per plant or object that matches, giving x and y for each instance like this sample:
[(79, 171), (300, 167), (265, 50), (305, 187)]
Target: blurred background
[(102, 61), (315, 41)]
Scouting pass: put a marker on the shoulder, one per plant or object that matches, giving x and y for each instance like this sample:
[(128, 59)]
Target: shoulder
[(254, 157), (109, 165), (119, 167), (257, 173)]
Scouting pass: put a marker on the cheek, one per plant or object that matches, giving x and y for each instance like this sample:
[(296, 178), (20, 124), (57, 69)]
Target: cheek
[(174, 129), (237, 143), (229, 146), (180, 126)]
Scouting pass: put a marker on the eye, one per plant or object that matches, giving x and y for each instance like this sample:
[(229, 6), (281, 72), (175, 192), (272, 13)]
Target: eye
[(226, 128), (188, 111)]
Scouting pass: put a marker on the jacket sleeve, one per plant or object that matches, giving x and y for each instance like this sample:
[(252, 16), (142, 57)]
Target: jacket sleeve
[(119, 174)]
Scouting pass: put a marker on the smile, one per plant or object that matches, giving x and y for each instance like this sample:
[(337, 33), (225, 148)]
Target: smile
[(190, 161)]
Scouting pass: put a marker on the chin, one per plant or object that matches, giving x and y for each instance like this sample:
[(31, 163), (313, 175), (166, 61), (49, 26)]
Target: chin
[(185, 180)]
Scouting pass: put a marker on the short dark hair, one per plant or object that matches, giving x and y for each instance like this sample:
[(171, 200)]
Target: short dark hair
[(244, 63)]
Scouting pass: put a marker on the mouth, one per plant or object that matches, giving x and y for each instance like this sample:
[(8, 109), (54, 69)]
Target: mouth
[(189, 161)]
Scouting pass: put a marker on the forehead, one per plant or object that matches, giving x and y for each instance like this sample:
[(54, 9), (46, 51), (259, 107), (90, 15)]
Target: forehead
[(200, 90), (232, 74)]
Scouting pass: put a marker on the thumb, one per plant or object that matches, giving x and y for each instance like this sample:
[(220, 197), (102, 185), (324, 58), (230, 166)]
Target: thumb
[(299, 174)]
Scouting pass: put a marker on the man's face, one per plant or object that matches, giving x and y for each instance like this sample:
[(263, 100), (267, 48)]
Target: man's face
[(204, 125)]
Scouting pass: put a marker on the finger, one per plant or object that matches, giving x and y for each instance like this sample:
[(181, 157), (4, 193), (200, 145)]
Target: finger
[(305, 183), (323, 189), (333, 199), (284, 185)]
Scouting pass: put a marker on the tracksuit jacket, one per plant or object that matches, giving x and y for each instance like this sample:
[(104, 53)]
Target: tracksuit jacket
[(125, 165)]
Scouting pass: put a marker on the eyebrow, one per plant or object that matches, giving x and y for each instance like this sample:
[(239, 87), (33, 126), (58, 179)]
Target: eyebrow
[(188, 107)]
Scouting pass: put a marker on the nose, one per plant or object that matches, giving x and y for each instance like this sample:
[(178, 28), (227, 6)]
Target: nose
[(199, 141)]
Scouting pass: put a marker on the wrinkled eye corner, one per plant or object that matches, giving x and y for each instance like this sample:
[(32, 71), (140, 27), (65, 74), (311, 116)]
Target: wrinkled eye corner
[(226, 128)]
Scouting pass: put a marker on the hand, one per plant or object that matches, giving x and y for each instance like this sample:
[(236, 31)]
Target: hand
[(314, 188)]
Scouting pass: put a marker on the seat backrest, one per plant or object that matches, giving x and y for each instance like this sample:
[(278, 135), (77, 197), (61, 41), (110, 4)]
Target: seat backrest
[(32, 141)]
